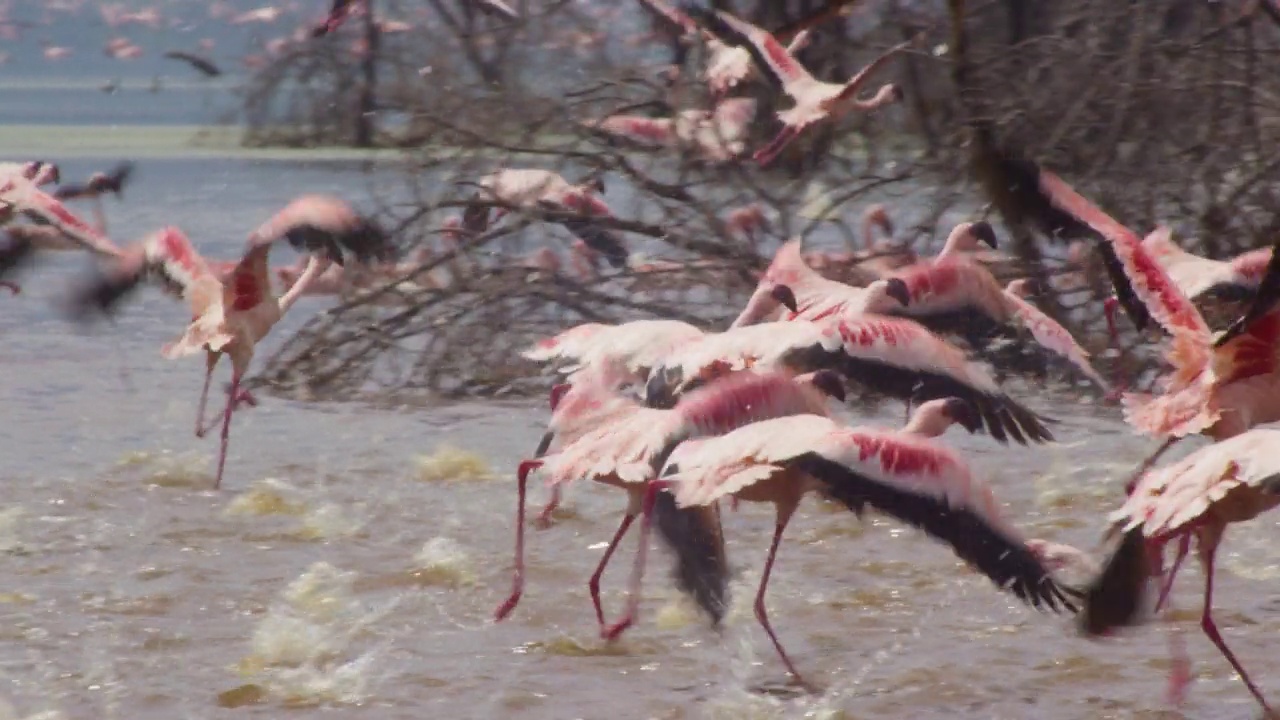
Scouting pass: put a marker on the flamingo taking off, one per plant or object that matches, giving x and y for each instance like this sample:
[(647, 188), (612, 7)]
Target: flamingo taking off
[(1231, 481), (230, 316), (530, 189), (98, 184), (815, 101), (716, 135), (1218, 388), (37, 171), (814, 296), (902, 473), (1048, 333), (620, 453)]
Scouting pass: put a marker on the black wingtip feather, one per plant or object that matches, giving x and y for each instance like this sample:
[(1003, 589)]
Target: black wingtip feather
[(1263, 301), (100, 294), (1116, 597), (14, 254), (694, 535), (1009, 564)]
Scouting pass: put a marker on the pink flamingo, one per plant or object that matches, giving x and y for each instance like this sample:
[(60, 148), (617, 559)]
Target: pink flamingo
[(716, 135), (229, 318), (893, 356), (876, 259), (98, 184), (37, 171), (727, 66), (815, 101), (530, 189), (903, 473), (637, 345), (1233, 480), (814, 296), (1198, 276), (1048, 333), (1217, 388), (620, 452)]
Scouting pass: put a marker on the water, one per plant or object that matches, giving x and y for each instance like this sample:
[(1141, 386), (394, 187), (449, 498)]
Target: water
[(355, 555)]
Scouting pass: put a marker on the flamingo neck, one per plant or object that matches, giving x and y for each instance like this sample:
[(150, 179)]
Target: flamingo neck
[(315, 266), (927, 424)]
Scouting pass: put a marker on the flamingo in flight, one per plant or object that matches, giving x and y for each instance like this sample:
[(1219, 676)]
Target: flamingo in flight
[(531, 189), (1217, 387), (903, 473), (620, 453), (716, 135), (98, 184), (815, 101), (1048, 333), (893, 356), (814, 296), (726, 66), (1233, 480), (39, 172), (230, 316)]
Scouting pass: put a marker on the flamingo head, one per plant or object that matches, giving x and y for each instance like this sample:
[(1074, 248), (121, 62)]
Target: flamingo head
[(894, 92), (42, 173), (880, 292), (557, 394), (1022, 287), (981, 231), (785, 297), (934, 417), (962, 412), (828, 382), (593, 182)]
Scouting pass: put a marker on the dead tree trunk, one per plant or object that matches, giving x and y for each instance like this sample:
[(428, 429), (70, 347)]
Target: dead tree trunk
[(366, 107)]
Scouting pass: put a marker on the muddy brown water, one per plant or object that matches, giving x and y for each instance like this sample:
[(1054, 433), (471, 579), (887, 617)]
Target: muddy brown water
[(352, 561)]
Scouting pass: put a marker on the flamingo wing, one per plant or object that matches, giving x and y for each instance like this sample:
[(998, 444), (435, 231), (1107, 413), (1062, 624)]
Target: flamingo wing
[(1263, 302), (855, 83), (924, 485), (1052, 336), (497, 7), (774, 60), (325, 226), (588, 229), (901, 358), (1148, 281), (23, 196), (659, 8), (166, 255), (636, 128), (203, 65)]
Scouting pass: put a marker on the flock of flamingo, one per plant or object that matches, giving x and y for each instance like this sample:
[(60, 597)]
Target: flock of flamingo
[(680, 418)]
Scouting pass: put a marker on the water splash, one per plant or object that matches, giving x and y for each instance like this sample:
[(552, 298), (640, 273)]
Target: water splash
[(303, 651), (268, 497), (442, 561), (449, 462)]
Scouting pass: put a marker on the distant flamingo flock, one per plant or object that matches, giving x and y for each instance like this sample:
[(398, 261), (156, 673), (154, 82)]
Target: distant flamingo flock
[(679, 417)]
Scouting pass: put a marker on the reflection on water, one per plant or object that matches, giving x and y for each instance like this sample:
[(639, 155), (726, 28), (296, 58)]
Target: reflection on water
[(356, 554)]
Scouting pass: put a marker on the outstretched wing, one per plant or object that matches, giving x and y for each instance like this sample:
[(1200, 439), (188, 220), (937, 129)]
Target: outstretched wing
[(203, 65), (924, 485), (1052, 336), (166, 256), (1263, 302), (21, 195), (774, 60), (855, 83), (1145, 278)]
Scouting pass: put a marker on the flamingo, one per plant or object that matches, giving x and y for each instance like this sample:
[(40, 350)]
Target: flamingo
[(1217, 387), (620, 452), (532, 189), (230, 317), (814, 296), (37, 171), (903, 473), (1199, 277), (893, 356), (726, 66), (638, 345), (815, 101), (1233, 480), (1048, 333), (203, 65), (98, 184), (716, 135)]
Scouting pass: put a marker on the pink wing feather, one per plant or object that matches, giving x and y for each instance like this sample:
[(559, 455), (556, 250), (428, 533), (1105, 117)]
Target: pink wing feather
[(1052, 336)]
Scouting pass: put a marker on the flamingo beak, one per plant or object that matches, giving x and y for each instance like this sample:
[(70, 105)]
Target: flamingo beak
[(963, 413), (830, 383), (785, 296), (896, 92), (983, 231), (896, 288)]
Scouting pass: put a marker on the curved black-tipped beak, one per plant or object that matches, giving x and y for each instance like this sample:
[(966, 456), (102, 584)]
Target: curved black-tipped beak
[(783, 295), (659, 388), (829, 382), (557, 394), (897, 93), (964, 414), (984, 232), (897, 289)]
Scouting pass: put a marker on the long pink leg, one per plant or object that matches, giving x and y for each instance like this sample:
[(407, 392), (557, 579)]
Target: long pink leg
[(761, 613), (1184, 545), (226, 429), (766, 155), (517, 577), (1119, 383), (1180, 663), (637, 571), (543, 521), (1210, 629), (201, 428), (594, 583)]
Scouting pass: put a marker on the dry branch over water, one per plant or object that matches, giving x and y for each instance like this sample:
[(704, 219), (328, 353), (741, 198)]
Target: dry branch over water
[(1160, 111)]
